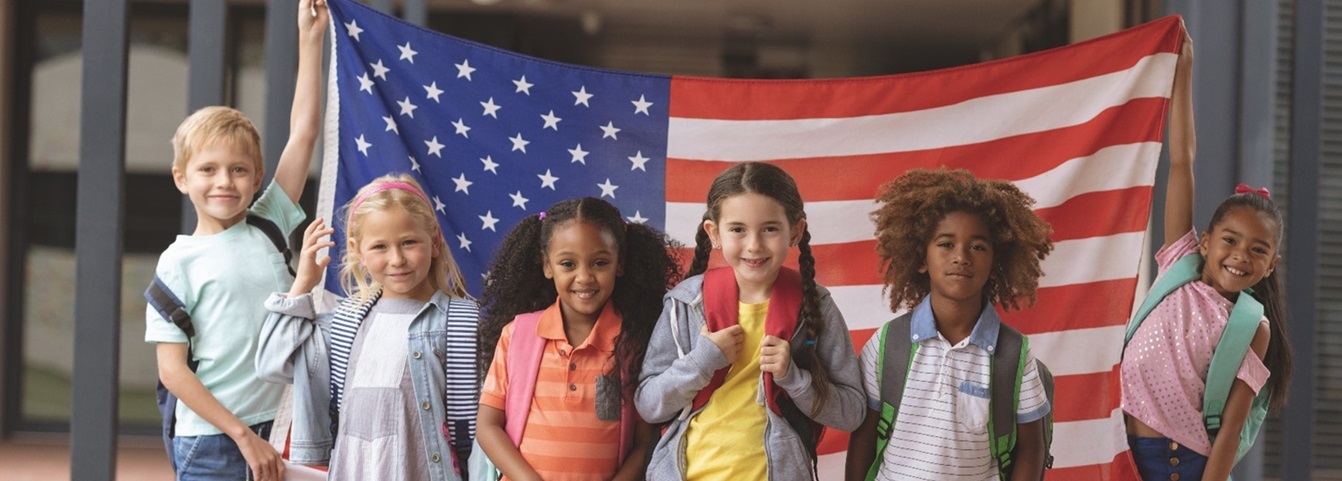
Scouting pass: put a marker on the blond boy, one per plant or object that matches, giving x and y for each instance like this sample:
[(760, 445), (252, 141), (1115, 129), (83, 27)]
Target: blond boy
[(224, 270)]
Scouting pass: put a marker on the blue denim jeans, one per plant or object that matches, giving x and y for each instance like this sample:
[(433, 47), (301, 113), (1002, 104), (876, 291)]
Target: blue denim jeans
[(1165, 460), (213, 457)]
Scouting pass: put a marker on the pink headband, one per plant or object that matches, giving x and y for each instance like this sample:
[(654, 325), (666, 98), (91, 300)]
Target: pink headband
[(384, 186)]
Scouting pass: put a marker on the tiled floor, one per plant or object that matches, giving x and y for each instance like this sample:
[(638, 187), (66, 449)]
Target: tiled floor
[(41, 458)]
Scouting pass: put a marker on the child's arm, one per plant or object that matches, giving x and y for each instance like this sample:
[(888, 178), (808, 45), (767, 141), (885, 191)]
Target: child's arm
[(178, 378), (1028, 457), (1183, 148), (305, 116), (489, 430), (1222, 458), (632, 467), (862, 448), (288, 329), (670, 382), (846, 406)]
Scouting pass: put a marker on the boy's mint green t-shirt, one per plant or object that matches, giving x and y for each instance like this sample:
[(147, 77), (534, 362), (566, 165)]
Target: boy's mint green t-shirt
[(223, 280)]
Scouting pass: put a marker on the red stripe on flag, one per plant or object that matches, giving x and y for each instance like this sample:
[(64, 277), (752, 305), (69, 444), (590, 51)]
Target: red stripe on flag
[(1097, 214), (1085, 397), (1076, 306), (1016, 158), (710, 98)]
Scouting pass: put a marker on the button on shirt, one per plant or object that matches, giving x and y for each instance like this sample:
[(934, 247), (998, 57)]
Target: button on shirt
[(941, 431)]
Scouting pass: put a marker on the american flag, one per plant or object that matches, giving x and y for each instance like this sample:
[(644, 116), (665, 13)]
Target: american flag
[(495, 136)]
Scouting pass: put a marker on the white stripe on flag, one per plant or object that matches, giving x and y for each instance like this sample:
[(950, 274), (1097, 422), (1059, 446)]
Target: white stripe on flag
[(1104, 258), (1079, 351), (1089, 442), (1076, 102)]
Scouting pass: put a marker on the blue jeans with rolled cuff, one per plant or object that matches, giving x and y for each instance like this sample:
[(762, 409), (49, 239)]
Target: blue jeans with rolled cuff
[(213, 457)]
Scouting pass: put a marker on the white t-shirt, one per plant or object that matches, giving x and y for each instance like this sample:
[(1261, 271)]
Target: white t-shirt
[(222, 280)]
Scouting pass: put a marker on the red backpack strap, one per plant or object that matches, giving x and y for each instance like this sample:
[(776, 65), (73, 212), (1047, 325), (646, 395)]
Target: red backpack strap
[(524, 363), (721, 308)]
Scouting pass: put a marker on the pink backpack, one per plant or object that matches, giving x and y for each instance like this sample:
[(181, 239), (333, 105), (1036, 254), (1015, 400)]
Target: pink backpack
[(524, 363)]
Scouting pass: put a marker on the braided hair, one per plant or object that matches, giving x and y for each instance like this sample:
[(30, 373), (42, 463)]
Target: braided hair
[(773, 182), (517, 282)]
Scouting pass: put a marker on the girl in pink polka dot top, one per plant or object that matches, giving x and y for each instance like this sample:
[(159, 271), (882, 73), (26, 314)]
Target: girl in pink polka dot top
[(1165, 365)]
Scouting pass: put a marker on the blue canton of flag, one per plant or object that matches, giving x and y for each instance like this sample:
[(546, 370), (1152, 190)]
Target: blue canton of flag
[(491, 135)]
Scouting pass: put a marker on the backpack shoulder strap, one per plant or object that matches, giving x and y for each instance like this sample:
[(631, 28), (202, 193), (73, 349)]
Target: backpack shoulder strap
[(893, 346), (1005, 366), (277, 238), (168, 305), (1187, 269), (1228, 356), (524, 362)]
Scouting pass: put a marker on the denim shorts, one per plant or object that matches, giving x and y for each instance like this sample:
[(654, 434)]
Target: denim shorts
[(213, 457), (1160, 459)]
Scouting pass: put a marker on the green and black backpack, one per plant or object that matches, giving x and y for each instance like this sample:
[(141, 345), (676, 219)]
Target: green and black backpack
[(1007, 365)]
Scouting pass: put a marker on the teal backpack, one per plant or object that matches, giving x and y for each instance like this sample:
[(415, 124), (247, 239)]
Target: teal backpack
[(1007, 365), (1226, 358)]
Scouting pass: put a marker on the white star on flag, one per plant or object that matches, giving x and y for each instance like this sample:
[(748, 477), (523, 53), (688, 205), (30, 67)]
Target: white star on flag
[(551, 121), (363, 145), (365, 83), (641, 105), (431, 91), (464, 69), (407, 53), (353, 29), (489, 221), (438, 205), (609, 130), (579, 155), (607, 188), (518, 200), (548, 180), (637, 218), (490, 165), (407, 108), (391, 124), (519, 143), (639, 160), (465, 244), (490, 108), (461, 127), (463, 185), (523, 86), (435, 148), (379, 70), (582, 96), (414, 164)]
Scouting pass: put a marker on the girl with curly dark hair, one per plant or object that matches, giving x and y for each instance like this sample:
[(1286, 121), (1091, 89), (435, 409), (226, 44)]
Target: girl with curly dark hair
[(583, 287), (756, 327), (951, 247)]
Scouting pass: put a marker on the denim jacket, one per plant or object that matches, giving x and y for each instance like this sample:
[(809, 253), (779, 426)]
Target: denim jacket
[(294, 347), (670, 381)]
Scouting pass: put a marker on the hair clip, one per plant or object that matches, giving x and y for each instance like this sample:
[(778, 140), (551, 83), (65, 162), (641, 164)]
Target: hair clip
[(541, 216), (1243, 188)]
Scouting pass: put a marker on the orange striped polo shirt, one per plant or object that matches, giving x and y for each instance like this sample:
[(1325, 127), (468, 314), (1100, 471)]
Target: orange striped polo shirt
[(564, 438)]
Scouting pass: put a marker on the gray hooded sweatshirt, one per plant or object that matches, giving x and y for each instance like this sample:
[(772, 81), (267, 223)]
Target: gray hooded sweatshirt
[(680, 362)]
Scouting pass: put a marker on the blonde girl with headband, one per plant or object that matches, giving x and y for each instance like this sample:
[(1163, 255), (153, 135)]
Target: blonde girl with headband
[(385, 386)]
